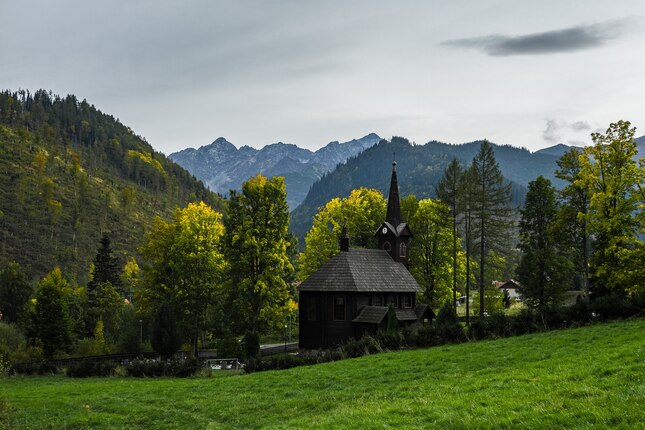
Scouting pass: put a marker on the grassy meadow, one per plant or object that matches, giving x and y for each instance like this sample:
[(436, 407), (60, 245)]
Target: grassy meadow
[(589, 377)]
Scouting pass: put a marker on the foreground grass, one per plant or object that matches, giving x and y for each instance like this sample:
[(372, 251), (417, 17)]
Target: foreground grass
[(586, 377)]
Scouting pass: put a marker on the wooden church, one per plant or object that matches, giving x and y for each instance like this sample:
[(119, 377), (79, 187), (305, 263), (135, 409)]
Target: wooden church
[(349, 296)]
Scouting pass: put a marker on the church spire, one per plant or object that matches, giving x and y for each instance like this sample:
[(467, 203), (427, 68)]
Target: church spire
[(393, 204)]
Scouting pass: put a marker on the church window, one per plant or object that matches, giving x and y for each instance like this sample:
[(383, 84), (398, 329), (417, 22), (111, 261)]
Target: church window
[(402, 250), (391, 300), (311, 309), (407, 301), (387, 246), (339, 308), (378, 300)]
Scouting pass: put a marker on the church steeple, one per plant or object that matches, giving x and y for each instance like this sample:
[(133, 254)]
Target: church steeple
[(393, 204), (394, 234)]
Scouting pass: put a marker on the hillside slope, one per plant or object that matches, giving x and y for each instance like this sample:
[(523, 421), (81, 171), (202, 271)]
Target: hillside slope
[(68, 172), (419, 168), (589, 377)]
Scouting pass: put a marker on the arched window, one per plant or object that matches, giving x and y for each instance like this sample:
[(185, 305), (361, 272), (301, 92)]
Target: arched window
[(387, 246), (339, 308), (402, 250)]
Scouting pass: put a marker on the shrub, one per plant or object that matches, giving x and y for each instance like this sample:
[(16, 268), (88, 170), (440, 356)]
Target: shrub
[(499, 325), (87, 368), (447, 324), (153, 368), (229, 347)]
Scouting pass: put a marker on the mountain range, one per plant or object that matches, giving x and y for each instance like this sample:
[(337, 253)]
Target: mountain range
[(222, 166), (419, 169)]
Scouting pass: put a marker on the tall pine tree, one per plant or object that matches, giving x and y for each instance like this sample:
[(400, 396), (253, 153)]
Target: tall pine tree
[(491, 213), (448, 192)]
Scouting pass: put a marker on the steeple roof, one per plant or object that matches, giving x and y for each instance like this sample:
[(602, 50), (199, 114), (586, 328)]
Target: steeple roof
[(393, 216)]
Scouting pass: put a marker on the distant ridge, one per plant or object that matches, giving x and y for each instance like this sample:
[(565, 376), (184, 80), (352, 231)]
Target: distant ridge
[(221, 166), (420, 167)]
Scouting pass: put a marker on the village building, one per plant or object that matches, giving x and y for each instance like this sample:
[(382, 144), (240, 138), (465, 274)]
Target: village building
[(350, 295), (511, 286)]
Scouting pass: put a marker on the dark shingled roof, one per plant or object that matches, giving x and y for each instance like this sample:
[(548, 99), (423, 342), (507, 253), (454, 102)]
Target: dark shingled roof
[(364, 270), (405, 315), (371, 314)]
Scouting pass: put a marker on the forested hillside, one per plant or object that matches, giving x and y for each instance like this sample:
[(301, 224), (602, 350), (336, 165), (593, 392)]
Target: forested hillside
[(69, 172), (419, 168)]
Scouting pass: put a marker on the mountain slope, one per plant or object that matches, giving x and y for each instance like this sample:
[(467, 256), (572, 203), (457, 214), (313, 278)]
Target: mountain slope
[(419, 168), (68, 172), (223, 167)]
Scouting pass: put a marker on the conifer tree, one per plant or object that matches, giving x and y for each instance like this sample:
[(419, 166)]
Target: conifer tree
[(448, 192), (491, 213), (544, 266)]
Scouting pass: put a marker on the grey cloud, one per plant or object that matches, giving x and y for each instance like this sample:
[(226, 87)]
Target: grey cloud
[(548, 42), (555, 131), (580, 126), (550, 133)]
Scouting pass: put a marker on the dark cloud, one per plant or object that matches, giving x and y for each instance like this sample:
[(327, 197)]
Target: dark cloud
[(549, 42)]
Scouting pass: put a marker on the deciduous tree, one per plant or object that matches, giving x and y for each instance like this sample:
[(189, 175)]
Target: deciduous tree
[(256, 246), (52, 324), (614, 181), (185, 267), (363, 210)]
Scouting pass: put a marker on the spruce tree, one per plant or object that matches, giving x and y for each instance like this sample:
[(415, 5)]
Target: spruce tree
[(491, 213), (544, 266), (448, 192)]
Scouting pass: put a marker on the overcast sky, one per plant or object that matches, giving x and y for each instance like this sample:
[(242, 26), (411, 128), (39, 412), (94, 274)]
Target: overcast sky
[(182, 73)]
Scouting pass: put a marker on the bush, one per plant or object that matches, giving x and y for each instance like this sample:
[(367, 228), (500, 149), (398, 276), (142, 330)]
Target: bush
[(447, 324), (499, 325), (87, 368), (229, 347), (152, 368)]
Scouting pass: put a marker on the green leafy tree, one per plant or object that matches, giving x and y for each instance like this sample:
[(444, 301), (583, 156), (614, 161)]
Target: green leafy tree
[(130, 331), (573, 207), (256, 246), (15, 292), (431, 250), (52, 324), (165, 337), (615, 182), (448, 192), (491, 212), (185, 267), (544, 267), (363, 210)]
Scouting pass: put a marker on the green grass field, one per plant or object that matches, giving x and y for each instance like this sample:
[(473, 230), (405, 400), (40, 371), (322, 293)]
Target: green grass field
[(592, 377)]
